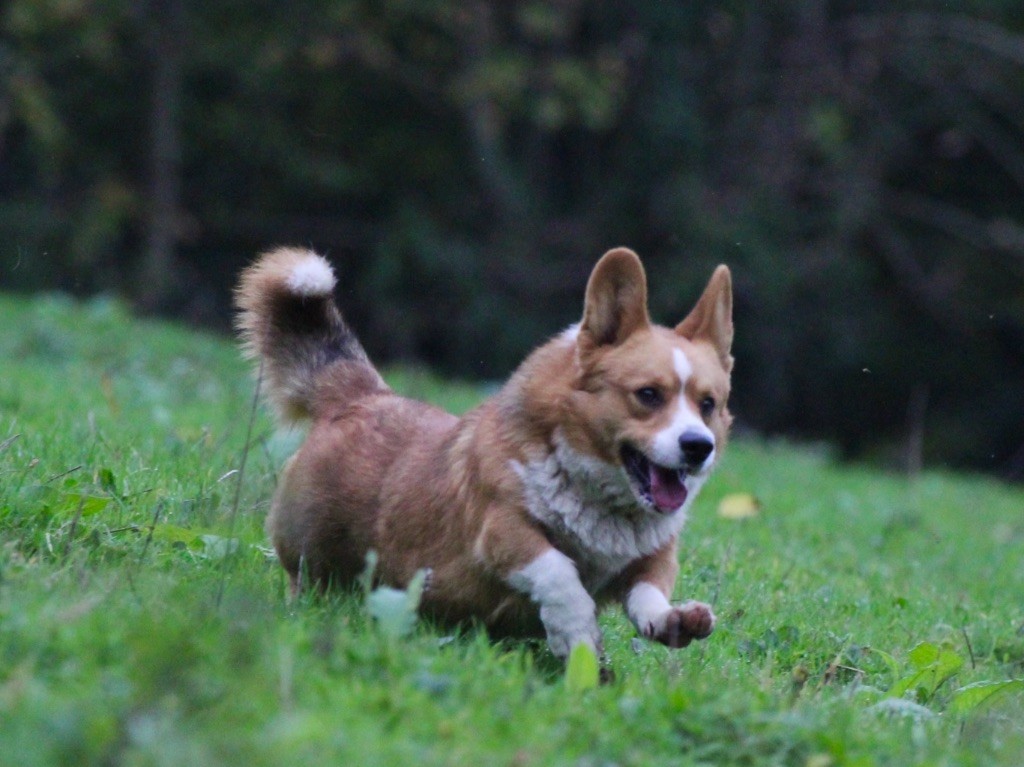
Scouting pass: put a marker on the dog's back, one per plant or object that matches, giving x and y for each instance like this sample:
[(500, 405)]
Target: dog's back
[(325, 514)]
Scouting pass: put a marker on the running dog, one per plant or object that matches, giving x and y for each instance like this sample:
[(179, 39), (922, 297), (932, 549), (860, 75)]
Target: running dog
[(564, 491)]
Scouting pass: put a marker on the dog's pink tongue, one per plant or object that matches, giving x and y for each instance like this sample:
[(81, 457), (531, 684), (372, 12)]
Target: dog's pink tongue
[(667, 490)]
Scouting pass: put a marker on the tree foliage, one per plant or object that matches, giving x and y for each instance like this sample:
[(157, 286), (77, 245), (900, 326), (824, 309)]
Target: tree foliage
[(859, 165)]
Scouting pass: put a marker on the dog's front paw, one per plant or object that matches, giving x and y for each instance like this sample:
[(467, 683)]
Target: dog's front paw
[(681, 625), (570, 625), (561, 641)]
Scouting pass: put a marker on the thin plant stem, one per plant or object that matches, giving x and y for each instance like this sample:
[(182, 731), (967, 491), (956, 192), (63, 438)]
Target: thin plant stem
[(228, 551)]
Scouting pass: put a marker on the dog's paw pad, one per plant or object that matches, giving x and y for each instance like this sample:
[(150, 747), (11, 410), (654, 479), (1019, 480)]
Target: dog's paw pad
[(697, 619), (682, 625)]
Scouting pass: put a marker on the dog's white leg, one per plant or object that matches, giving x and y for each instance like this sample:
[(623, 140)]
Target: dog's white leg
[(655, 618), (646, 606), (567, 611)]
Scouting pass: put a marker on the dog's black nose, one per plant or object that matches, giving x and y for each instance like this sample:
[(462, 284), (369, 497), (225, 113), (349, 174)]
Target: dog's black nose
[(696, 448)]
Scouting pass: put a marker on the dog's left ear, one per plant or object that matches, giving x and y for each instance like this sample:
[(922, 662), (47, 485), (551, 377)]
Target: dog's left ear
[(616, 302), (711, 318)]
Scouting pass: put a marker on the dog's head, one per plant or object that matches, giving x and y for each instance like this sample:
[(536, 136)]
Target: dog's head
[(651, 399)]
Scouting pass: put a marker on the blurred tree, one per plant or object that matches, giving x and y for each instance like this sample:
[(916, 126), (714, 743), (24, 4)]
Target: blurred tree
[(163, 26), (858, 163), (66, 171)]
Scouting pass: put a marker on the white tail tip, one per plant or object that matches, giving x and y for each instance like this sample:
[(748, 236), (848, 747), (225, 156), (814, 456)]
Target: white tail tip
[(312, 276)]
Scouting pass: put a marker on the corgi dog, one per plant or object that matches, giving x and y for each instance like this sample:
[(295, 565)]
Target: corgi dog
[(564, 491)]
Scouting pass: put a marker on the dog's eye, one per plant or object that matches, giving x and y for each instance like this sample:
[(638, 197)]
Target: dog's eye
[(649, 396), (707, 407)]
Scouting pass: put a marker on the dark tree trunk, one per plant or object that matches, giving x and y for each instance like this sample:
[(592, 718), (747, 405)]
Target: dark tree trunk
[(158, 276)]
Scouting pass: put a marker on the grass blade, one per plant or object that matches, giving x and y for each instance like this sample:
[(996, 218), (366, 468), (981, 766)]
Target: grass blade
[(967, 699)]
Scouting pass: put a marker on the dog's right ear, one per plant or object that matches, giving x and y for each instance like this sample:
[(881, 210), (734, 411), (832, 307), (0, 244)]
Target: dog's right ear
[(616, 302)]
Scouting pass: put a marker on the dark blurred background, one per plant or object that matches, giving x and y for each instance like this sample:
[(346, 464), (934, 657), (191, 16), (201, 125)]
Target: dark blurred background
[(859, 165)]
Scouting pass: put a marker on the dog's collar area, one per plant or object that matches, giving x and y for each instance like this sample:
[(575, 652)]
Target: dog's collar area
[(660, 487)]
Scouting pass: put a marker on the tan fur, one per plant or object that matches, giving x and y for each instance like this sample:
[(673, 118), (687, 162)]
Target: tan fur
[(425, 489)]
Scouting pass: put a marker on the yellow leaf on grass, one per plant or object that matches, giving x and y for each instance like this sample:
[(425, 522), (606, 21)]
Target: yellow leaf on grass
[(583, 670), (738, 506)]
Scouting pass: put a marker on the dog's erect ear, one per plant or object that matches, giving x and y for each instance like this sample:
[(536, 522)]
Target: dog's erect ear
[(711, 318), (616, 303)]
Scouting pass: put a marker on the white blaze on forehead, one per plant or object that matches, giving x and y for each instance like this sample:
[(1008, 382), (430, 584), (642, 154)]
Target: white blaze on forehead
[(683, 367), (311, 277), (665, 449)]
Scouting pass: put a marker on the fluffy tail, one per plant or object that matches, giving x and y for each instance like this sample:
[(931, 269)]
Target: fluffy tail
[(288, 319)]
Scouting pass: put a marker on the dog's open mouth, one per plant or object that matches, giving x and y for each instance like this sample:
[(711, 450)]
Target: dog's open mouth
[(660, 486)]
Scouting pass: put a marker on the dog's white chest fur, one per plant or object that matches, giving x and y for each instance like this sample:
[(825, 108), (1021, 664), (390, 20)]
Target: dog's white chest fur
[(591, 511)]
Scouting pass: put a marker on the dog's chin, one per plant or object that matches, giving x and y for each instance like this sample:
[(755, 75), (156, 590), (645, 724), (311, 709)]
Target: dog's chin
[(658, 488)]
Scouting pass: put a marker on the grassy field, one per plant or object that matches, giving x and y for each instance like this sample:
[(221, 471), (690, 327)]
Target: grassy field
[(864, 619)]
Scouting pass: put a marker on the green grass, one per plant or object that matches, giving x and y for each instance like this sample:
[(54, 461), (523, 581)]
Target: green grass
[(143, 622)]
